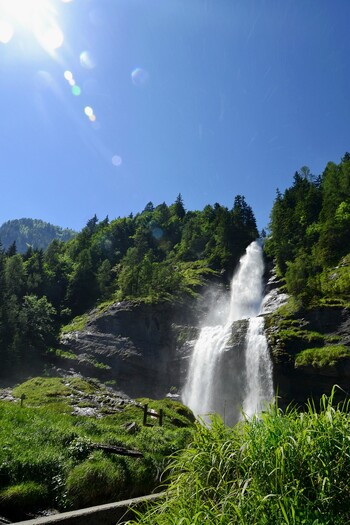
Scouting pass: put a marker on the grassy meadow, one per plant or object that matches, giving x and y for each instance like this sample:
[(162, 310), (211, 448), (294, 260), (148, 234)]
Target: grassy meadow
[(48, 459)]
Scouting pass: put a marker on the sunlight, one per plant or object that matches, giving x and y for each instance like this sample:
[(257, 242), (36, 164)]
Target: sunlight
[(6, 31), (36, 16)]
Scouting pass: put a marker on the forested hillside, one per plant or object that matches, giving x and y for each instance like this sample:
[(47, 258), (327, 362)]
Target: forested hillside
[(310, 225), (33, 233), (162, 253)]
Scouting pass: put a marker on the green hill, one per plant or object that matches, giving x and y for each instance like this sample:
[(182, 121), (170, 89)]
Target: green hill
[(31, 233)]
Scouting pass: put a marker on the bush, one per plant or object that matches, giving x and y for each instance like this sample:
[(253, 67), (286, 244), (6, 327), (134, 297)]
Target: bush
[(95, 481)]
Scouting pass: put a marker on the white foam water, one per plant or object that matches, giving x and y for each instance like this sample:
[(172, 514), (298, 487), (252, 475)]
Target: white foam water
[(250, 380)]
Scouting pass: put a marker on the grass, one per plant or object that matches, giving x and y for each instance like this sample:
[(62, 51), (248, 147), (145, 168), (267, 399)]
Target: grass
[(335, 282), (77, 324), (54, 391), (277, 469), (26, 495), (290, 308), (320, 357), (296, 334), (43, 445), (96, 480), (63, 354)]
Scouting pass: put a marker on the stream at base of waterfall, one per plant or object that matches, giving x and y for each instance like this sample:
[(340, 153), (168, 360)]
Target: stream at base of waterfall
[(230, 369)]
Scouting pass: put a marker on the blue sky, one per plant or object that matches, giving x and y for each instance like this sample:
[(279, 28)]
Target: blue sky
[(207, 98)]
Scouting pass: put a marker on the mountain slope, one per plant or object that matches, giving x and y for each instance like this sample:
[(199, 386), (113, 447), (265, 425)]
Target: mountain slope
[(31, 232)]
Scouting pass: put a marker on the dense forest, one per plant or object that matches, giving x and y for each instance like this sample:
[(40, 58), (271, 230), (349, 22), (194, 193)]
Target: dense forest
[(309, 235), (32, 233), (162, 253)]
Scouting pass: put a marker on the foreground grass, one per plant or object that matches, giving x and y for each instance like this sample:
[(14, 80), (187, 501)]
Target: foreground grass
[(48, 458), (281, 468)]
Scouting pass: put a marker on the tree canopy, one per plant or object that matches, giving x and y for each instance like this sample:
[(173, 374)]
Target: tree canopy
[(309, 232), (162, 253)]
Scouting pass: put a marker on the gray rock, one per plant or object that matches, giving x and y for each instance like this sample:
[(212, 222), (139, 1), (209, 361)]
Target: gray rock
[(144, 348)]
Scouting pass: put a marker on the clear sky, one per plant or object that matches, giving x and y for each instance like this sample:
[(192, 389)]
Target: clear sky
[(109, 104)]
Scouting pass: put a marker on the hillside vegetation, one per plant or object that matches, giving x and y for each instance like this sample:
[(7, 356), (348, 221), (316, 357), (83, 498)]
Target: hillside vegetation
[(163, 253), (49, 459), (34, 233), (310, 244), (310, 224)]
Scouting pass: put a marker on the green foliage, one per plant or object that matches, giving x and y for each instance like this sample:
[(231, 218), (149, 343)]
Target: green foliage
[(55, 391), (301, 337), (280, 468), (64, 354), (161, 254), (309, 235), (321, 357), (335, 282), (43, 445), (31, 232), (97, 480), (28, 495), (78, 323)]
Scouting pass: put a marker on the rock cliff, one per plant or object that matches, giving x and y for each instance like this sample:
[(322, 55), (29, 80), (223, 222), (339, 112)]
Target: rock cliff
[(290, 333), (143, 348)]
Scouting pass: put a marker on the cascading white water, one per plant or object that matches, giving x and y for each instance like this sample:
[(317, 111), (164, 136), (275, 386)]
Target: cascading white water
[(259, 387), (210, 385)]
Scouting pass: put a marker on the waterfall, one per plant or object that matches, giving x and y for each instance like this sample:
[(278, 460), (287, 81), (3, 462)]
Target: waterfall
[(224, 379), (259, 387)]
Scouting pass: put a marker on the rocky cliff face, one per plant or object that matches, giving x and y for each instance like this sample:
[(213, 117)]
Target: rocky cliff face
[(288, 334), (143, 348)]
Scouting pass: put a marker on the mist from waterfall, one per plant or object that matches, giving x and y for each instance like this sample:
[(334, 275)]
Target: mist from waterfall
[(230, 367)]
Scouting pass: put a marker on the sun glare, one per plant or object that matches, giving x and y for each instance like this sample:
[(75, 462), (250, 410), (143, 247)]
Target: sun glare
[(35, 16)]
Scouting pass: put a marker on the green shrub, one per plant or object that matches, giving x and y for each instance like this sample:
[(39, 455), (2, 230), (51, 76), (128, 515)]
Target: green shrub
[(95, 481)]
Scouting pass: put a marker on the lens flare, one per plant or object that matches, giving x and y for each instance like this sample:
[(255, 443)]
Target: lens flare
[(88, 111), (37, 17), (6, 31), (157, 233), (139, 77), (116, 160), (76, 90), (68, 75), (86, 60), (51, 38)]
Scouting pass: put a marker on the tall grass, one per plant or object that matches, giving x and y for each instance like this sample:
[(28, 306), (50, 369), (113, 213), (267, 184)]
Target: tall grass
[(280, 468)]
